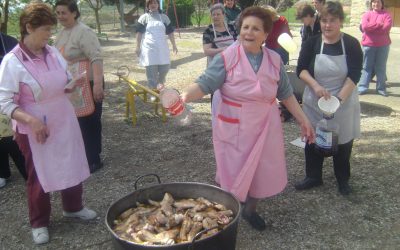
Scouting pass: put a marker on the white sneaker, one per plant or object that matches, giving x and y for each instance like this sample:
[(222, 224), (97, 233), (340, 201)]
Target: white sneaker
[(40, 235), (2, 182), (84, 214)]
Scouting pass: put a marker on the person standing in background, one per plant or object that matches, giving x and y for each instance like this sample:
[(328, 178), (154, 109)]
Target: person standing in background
[(318, 4), (8, 147), (81, 48), (330, 65), (306, 14), (280, 26), (232, 11), (151, 43), (218, 35), (375, 25)]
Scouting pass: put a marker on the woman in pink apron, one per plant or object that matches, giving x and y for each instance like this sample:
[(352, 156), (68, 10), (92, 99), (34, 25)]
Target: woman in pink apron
[(330, 64), (32, 80), (247, 131)]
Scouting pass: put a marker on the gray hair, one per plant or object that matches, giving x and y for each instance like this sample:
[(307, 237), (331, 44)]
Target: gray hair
[(217, 6)]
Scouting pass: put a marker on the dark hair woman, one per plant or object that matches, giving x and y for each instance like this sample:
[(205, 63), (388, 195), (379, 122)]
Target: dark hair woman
[(375, 25), (330, 65), (247, 129), (80, 47), (48, 132), (151, 43)]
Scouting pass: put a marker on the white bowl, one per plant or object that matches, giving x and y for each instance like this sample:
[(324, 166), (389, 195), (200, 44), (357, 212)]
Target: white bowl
[(328, 106)]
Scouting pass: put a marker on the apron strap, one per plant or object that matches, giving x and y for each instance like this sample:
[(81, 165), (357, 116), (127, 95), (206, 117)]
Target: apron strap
[(341, 40)]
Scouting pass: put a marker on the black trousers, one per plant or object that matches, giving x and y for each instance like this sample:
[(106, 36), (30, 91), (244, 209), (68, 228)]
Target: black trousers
[(341, 162), (91, 131), (8, 147)]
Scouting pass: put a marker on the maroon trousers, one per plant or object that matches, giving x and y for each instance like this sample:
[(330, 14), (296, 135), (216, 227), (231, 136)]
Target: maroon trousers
[(38, 200)]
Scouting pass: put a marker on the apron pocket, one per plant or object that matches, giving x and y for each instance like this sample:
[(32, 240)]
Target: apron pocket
[(227, 130)]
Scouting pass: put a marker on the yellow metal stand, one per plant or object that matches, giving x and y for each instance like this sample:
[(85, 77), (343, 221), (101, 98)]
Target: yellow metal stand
[(136, 89)]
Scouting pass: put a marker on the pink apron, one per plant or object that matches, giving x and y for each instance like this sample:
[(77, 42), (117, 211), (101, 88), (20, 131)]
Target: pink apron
[(247, 130), (60, 162)]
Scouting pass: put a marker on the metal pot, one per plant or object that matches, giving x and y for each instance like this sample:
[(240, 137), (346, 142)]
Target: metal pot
[(224, 239)]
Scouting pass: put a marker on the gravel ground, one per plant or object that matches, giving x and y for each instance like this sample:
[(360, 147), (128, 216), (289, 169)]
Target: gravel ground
[(315, 219)]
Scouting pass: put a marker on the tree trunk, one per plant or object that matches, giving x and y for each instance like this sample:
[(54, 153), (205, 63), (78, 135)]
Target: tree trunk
[(96, 12), (4, 25)]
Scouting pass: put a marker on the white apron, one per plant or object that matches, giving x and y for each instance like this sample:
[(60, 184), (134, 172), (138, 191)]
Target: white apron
[(154, 46), (60, 162), (222, 41), (331, 73)]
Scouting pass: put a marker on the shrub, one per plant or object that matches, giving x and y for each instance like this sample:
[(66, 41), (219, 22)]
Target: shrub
[(184, 11)]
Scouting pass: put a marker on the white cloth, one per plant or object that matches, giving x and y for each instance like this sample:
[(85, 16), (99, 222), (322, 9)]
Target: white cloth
[(154, 46)]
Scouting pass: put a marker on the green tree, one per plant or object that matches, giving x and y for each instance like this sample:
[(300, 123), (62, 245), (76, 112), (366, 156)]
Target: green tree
[(200, 7), (96, 5)]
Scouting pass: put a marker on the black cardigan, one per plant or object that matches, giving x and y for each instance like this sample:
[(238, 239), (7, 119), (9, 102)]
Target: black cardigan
[(312, 47)]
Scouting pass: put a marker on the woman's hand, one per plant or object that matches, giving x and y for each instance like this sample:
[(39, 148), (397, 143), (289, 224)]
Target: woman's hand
[(307, 131), (321, 91), (98, 93), (39, 129), (175, 49), (137, 51)]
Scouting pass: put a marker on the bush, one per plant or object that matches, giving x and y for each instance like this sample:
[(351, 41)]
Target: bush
[(184, 11)]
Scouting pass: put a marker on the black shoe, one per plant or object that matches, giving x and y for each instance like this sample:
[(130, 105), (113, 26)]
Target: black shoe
[(344, 188), (307, 183), (255, 221), (95, 166)]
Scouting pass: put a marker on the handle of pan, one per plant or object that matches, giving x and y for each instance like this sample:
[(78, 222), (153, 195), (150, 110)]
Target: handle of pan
[(143, 176), (198, 235)]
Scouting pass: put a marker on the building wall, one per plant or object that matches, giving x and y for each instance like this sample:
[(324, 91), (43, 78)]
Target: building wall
[(358, 7)]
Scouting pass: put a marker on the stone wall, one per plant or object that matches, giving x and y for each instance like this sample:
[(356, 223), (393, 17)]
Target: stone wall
[(358, 7)]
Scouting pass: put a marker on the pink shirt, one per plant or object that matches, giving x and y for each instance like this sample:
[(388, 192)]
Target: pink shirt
[(376, 27)]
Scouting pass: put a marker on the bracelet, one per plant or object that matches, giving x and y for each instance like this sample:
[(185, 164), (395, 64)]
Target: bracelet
[(340, 99)]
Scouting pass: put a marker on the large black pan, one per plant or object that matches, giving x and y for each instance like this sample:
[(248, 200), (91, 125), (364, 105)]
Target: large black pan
[(223, 240)]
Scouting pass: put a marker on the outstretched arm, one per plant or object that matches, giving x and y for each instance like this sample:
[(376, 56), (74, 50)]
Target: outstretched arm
[(307, 131), (192, 93)]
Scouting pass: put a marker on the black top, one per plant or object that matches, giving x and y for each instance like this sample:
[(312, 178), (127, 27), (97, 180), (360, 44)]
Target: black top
[(7, 43), (208, 34), (306, 31), (312, 47)]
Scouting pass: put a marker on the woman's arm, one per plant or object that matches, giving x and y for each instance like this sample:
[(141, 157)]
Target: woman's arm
[(346, 90), (98, 92), (138, 42), (313, 84), (172, 39), (37, 125), (210, 51), (307, 131), (192, 93)]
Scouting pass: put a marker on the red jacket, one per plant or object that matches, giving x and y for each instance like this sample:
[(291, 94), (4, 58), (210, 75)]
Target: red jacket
[(280, 26)]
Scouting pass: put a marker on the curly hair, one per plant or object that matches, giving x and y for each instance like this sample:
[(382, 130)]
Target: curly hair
[(36, 14), (261, 13)]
